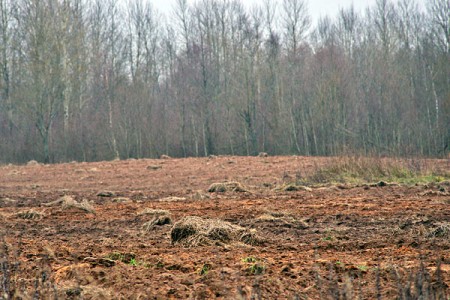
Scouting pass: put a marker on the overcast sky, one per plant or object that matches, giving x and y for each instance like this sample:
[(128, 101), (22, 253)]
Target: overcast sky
[(317, 8)]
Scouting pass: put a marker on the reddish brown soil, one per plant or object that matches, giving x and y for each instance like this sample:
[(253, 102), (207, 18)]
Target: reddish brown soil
[(329, 240)]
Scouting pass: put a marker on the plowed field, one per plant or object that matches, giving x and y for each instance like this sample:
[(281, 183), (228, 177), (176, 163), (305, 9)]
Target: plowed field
[(76, 231)]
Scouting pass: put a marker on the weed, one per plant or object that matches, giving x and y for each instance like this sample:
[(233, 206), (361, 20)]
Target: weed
[(329, 236), (362, 268), (205, 269), (159, 264), (256, 269), (256, 266), (127, 258), (133, 262), (249, 259)]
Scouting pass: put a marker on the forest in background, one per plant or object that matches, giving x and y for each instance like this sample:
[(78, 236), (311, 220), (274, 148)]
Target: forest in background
[(98, 80)]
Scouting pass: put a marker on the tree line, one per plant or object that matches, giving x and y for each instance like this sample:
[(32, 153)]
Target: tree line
[(92, 80)]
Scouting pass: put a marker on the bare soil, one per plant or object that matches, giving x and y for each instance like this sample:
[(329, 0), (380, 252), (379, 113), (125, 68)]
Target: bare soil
[(353, 240)]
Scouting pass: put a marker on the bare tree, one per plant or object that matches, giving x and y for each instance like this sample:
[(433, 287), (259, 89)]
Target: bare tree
[(439, 11)]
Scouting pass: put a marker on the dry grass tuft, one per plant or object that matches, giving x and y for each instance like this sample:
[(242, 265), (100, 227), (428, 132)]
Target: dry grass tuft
[(121, 200), (153, 212), (200, 196), (32, 163), (159, 217), (263, 154), (283, 220), (68, 202), (97, 292), (30, 215), (7, 200), (106, 194), (125, 257), (292, 188), (434, 193), (195, 231), (165, 157), (223, 187), (154, 167), (156, 221), (83, 205), (172, 199), (442, 230)]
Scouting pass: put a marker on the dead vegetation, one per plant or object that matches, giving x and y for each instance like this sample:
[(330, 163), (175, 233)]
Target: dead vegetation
[(200, 196), (106, 194), (154, 167), (121, 200), (158, 217), (384, 172), (282, 220), (194, 231), (67, 202), (441, 230), (6, 201), (124, 257), (434, 193), (30, 214), (100, 261), (172, 199), (153, 212), (32, 163), (223, 187), (292, 187)]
